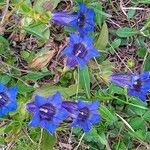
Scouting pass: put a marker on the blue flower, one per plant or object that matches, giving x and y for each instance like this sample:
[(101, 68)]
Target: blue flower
[(84, 114), (48, 113), (7, 99), (80, 50), (83, 20), (63, 18), (138, 85)]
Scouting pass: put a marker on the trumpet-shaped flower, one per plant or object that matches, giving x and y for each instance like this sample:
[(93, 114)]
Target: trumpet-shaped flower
[(138, 85), (82, 20), (48, 113), (84, 114), (7, 99), (80, 50)]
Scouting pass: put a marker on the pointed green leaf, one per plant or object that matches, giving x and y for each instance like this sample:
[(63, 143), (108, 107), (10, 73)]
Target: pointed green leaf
[(84, 80), (102, 41), (126, 32), (48, 141)]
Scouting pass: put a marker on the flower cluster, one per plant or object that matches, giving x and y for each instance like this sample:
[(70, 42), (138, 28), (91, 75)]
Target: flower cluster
[(49, 112), (138, 85), (80, 49)]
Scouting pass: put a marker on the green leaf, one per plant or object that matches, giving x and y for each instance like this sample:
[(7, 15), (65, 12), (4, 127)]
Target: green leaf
[(126, 32), (84, 80), (131, 13), (115, 44), (48, 141), (119, 145), (116, 89), (24, 88), (137, 123), (102, 41), (146, 116), (3, 44), (147, 64), (137, 102), (94, 136), (5, 79), (39, 30), (106, 114), (49, 89), (36, 76), (141, 1), (141, 52), (100, 15)]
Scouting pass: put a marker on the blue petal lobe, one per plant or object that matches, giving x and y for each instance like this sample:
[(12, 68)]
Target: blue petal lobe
[(71, 62), (57, 100), (2, 87), (74, 38), (141, 95), (12, 93), (61, 115), (39, 100), (94, 105), (86, 126), (31, 107), (11, 106), (95, 118), (35, 121), (81, 62), (68, 50)]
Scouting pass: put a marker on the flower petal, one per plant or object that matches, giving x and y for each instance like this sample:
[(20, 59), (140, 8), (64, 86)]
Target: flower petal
[(81, 62), (83, 8), (2, 87), (3, 111), (12, 106), (139, 94), (31, 107), (35, 120), (94, 105), (74, 38), (48, 125), (12, 93), (63, 18), (60, 116), (57, 100), (86, 126), (71, 62), (39, 100), (95, 118), (68, 50), (123, 80)]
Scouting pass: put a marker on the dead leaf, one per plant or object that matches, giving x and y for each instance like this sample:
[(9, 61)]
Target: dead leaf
[(42, 59)]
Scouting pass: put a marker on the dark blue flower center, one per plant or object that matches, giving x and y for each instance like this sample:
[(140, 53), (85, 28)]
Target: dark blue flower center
[(83, 114), (47, 111), (137, 84), (81, 20), (3, 99), (79, 50)]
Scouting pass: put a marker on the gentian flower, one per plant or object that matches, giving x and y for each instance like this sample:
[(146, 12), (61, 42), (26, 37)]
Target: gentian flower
[(7, 99), (83, 20), (48, 113), (84, 114), (80, 50), (138, 85)]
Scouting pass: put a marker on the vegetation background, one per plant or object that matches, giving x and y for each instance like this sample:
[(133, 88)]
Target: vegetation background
[(31, 57)]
